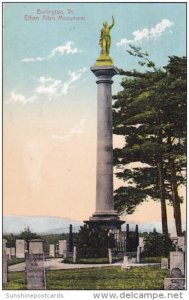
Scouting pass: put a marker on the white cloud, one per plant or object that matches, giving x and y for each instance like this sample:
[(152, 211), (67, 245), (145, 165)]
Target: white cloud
[(16, 97), (67, 48), (49, 87), (74, 131), (74, 76), (52, 87), (147, 33)]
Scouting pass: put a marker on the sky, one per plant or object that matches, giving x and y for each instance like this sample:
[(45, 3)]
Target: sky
[(49, 103)]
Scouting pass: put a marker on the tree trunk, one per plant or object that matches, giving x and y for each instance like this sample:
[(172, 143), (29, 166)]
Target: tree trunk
[(162, 198), (175, 198)]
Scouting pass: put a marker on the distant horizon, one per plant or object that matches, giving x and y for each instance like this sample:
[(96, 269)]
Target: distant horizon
[(43, 222)]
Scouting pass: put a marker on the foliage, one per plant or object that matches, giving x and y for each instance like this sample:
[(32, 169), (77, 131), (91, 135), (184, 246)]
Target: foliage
[(150, 112), (93, 242), (157, 244), (27, 235)]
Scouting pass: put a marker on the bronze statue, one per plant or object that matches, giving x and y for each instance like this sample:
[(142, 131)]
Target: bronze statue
[(105, 38)]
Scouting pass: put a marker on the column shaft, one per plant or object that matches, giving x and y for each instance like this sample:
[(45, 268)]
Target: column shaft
[(104, 170)]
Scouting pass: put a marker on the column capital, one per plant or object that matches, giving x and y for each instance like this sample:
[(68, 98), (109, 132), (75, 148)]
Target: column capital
[(104, 73)]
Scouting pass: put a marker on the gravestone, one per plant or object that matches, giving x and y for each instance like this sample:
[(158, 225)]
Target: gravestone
[(5, 265), (20, 248), (110, 256), (35, 246), (35, 271), (177, 261), (174, 284), (138, 254), (164, 263), (13, 251), (52, 250), (74, 254), (63, 247), (8, 253), (181, 243), (177, 271), (125, 264), (141, 241)]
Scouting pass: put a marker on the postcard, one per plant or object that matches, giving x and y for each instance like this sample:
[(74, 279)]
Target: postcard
[(94, 149)]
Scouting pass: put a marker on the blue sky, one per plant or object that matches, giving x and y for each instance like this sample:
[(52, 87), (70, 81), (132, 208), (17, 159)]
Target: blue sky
[(31, 39), (50, 97)]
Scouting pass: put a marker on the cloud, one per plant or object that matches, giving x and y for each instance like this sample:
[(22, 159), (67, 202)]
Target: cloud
[(75, 130), (74, 76), (147, 33), (49, 87), (20, 98), (52, 87), (67, 48)]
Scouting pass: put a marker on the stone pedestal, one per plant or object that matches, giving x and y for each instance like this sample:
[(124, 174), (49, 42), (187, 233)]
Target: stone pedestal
[(105, 215)]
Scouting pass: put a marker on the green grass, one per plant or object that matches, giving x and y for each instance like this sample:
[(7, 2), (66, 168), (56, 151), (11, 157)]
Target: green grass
[(16, 281), (137, 278), (151, 259)]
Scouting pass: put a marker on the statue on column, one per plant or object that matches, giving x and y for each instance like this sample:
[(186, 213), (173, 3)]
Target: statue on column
[(105, 43), (105, 37)]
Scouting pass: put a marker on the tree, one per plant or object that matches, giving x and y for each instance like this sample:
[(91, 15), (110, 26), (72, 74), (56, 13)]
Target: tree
[(28, 235), (144, 114)]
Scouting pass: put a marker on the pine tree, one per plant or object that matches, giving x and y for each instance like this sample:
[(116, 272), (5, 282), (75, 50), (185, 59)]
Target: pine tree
[(142, 114)]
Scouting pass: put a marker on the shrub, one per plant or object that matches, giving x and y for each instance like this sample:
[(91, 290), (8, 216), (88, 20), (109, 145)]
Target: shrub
[(94, 242), (157, 244)]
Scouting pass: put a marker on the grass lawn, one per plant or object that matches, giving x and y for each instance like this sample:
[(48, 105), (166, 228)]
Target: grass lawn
[(137, 278)]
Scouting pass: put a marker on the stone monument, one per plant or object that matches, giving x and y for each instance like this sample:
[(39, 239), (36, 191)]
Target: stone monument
[(177, 280), (138, 258), (4, 263), (20, 248), (164, 263), (105, 215), (52, 250), (110, 256), (74, 254), (13, 251), (35, 270), (125, 264), (8, 253), (63, 248), (177, 262)]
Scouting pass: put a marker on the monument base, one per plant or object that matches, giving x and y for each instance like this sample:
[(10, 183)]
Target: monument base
[(104, 60), (105, 220)]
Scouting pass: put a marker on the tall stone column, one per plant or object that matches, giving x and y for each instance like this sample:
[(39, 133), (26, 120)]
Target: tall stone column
[(105, 214)]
